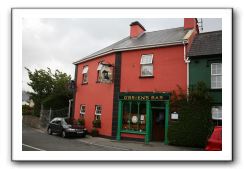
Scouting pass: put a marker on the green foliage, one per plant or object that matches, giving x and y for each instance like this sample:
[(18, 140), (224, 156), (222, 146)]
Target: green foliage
[(96, 123), (27, 110), (50, 89), (94, 132), (81, 121), (194, 125)]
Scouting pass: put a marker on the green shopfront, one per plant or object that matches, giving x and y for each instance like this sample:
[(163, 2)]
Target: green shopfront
[(144, 115)]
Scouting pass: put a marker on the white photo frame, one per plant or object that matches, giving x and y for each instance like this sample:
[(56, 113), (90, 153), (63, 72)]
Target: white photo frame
[(18, 155)]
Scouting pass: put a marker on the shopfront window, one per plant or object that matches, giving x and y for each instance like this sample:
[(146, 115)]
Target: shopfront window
[(134, 116)]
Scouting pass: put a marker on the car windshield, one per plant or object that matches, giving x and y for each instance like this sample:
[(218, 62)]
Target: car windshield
[(65, 121)]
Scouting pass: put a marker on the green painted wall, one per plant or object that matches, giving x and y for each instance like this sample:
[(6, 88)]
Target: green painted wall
[(200, 70)]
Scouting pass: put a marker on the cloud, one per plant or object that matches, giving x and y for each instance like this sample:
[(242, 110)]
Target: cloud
[(57, 43)]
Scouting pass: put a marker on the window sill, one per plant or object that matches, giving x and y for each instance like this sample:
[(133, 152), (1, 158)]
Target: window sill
[(133, 132), (142, 77), (215, 90), (108, 82), (84, 83)]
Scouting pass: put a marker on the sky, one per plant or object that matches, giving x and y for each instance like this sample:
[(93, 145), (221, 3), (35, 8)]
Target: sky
[(57, 43)]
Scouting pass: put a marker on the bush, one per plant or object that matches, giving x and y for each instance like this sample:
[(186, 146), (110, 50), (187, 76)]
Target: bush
[(94, 132), (96, 123), (194, 125), (81, 121), (27, 110)]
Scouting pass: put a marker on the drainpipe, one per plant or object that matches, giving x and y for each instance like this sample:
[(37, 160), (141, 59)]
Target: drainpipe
[(70, 105), (187, 61)]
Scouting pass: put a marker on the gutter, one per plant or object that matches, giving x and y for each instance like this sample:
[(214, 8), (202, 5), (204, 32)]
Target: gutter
[(128, 49)]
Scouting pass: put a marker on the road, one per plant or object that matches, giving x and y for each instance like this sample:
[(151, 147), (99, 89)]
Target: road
[(37, 140)]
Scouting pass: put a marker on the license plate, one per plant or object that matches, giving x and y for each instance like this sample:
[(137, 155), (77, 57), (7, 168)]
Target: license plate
[(80, 132)]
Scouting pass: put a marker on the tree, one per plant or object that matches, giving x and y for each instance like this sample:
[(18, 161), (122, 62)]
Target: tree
[(50, 89)]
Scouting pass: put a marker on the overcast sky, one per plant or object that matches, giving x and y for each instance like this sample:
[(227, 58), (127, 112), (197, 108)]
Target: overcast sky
[(57, 43)]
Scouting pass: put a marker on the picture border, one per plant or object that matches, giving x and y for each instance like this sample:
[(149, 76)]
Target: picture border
[(13, 150)]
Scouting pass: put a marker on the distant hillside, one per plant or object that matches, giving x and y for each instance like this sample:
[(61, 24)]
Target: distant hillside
[(25, 96)]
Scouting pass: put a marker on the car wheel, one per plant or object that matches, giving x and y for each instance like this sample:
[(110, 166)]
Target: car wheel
[(49, 131), (63, 134)]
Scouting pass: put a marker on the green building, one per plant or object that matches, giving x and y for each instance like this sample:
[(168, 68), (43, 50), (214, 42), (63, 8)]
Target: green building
[(206, 65)]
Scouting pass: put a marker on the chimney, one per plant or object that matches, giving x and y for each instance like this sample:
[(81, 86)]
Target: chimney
[(191, 23), (136, 29)]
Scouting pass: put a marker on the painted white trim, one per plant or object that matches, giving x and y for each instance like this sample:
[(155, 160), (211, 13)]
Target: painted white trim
[(85, 70), (148, 62)]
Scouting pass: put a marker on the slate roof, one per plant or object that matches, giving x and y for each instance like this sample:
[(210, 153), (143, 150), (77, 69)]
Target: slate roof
[(146, 40), (209, 43)]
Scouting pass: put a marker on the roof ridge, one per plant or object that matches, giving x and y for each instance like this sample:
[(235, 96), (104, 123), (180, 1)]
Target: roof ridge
[(128, 42), (164, 29)]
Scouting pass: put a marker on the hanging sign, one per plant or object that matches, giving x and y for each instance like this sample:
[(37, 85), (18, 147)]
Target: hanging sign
[(106, 74)]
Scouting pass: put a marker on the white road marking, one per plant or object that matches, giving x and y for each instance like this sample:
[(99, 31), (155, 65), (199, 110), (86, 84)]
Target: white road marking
[(33, 147)]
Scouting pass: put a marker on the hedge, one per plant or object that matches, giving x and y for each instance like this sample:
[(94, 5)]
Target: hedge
[(194, 125)]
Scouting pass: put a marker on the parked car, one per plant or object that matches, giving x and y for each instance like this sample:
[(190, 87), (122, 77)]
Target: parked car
[(215, 141), (65, 128)]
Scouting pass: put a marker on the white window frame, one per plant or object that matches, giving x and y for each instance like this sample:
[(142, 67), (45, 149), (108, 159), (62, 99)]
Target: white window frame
[(99, 68), (100, 65), (82, 112), (96, 112), (85, 73), (216, 75), (147, 63)]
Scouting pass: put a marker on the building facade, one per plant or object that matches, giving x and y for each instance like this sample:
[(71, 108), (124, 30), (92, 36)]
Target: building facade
[(127, 85), (206, 65)]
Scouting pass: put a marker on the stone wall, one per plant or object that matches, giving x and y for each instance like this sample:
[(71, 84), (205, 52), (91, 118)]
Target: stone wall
[(31, 121)]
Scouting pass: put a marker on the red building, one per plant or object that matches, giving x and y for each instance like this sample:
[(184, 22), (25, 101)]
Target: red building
[(126, 86)]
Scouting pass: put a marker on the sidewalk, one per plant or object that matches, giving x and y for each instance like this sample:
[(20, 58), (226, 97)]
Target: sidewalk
[(125, 145)]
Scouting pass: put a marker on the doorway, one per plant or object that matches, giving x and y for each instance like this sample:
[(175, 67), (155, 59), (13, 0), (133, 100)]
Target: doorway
[(158, 124)]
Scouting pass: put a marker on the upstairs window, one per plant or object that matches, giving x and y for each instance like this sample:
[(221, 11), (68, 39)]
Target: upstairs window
[(147, 65), (98, 112), (216, 75), (85, 75), (99, 74)]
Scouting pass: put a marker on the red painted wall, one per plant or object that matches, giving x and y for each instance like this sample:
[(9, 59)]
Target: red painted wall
[(191, 23), (93, 93), (169, 70), (135, 30)]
